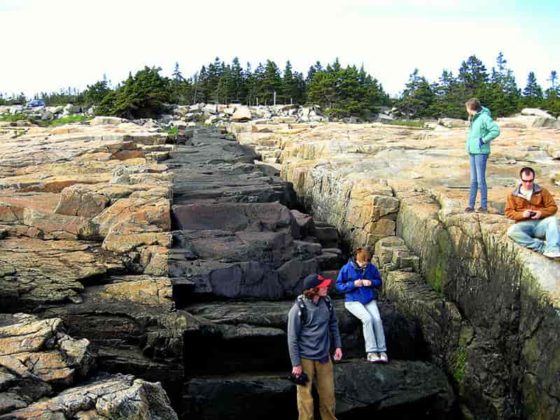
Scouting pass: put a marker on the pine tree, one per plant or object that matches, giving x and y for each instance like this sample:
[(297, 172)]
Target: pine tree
[(239, 88), (501, 94), (143, 96), (553, 80), (532, 94), (292, 90), (94, 94), (450, 97), (417, 98), (312, 70), (271, 84), (473, 76)]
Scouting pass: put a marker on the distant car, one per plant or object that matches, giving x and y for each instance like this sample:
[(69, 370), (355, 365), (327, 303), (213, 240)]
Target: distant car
[(36, 103)]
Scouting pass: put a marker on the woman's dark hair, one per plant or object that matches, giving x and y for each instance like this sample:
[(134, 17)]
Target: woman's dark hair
[(474, 104), (527, 171)]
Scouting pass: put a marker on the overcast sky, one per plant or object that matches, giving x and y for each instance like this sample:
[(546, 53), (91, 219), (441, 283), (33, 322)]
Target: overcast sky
[(51, 44)]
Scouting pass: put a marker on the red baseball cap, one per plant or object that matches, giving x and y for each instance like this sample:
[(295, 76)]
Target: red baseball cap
[(315, 280)]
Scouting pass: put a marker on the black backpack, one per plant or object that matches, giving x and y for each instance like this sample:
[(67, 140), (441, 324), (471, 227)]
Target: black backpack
[(303, 309)]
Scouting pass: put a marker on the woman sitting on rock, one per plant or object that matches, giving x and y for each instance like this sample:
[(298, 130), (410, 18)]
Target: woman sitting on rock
[(359, 280)]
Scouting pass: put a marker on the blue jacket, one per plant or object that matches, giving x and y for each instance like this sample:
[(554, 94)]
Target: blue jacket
[(351, 272), (482, 130)]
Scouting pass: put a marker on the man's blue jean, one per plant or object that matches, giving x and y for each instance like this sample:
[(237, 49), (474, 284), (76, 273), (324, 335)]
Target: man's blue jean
[(539, 235), (478, 180)]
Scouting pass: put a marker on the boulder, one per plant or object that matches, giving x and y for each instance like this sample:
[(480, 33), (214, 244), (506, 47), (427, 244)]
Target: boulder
[(362, 389), (106, 121), (536, 113), (26, 285), (453, 122), (107, 397), (35, 356), (81, 200), (241, 114), (70, 109)]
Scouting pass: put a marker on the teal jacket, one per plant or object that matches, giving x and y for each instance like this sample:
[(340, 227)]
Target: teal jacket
[(482, 130)]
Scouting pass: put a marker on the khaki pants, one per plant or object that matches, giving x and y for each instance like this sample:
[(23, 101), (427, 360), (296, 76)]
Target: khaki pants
[(323, 372)]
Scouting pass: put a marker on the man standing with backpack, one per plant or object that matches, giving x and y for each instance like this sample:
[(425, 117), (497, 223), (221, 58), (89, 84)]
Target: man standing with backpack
[(311, 324)]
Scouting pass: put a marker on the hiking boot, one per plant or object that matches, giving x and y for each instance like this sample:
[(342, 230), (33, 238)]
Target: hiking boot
[(469, 210), (373, 358), (481, 210), (552, 254), (383, 357)]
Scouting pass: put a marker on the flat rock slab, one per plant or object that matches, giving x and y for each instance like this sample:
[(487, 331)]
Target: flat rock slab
[(232, 217), (361, 388), (35, 356), (213, 169), (33, 271), (109, 397), (228, 332)]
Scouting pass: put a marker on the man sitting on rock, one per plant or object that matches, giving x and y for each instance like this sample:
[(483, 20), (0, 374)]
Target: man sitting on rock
[(311, 323), (533, 208)]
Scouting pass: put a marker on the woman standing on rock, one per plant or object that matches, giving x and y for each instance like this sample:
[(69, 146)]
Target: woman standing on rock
[(359, 280), (482, 130)]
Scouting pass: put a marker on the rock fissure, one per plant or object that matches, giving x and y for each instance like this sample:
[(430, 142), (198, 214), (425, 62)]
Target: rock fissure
[(505, 298)]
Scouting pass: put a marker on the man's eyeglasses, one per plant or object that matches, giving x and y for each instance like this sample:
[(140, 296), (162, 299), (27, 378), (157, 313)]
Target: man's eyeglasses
[(527, 181)]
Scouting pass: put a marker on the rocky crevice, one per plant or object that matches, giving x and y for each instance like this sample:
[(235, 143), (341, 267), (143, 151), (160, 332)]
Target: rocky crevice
[(236, 266), (487, 308)]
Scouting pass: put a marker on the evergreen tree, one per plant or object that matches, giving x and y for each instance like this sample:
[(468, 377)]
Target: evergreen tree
[(254, 85), (345, 92), (417, 98), (473, 76), (271, 83), (143, 95), (532, 94), (312, 70), (215, 71), (181, 88), (501, 94), (200, 88), (94, 94), (552, 102), (292, 89), (239, 88), (450, 97), (321, 89), (553, 80)]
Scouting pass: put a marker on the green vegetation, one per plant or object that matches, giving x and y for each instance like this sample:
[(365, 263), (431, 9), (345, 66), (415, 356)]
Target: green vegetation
[(496, 90), (406, 123), (69, 119), (173, 133), (143, 95), (13, 117), (459, 364), (345, 92)]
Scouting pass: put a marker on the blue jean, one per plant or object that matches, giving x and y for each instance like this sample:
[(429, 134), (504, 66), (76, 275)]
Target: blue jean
[(539, 235), (478, 180), (374, 336)]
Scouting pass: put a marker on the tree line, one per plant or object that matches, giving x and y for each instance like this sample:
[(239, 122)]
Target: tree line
[(340, 91), (497, 89)]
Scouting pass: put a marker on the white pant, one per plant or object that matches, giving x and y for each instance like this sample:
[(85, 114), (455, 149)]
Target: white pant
[(374, 335)]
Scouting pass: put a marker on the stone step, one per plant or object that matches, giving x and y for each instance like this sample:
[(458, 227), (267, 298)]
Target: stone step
[(400, 389), (231, 336)]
